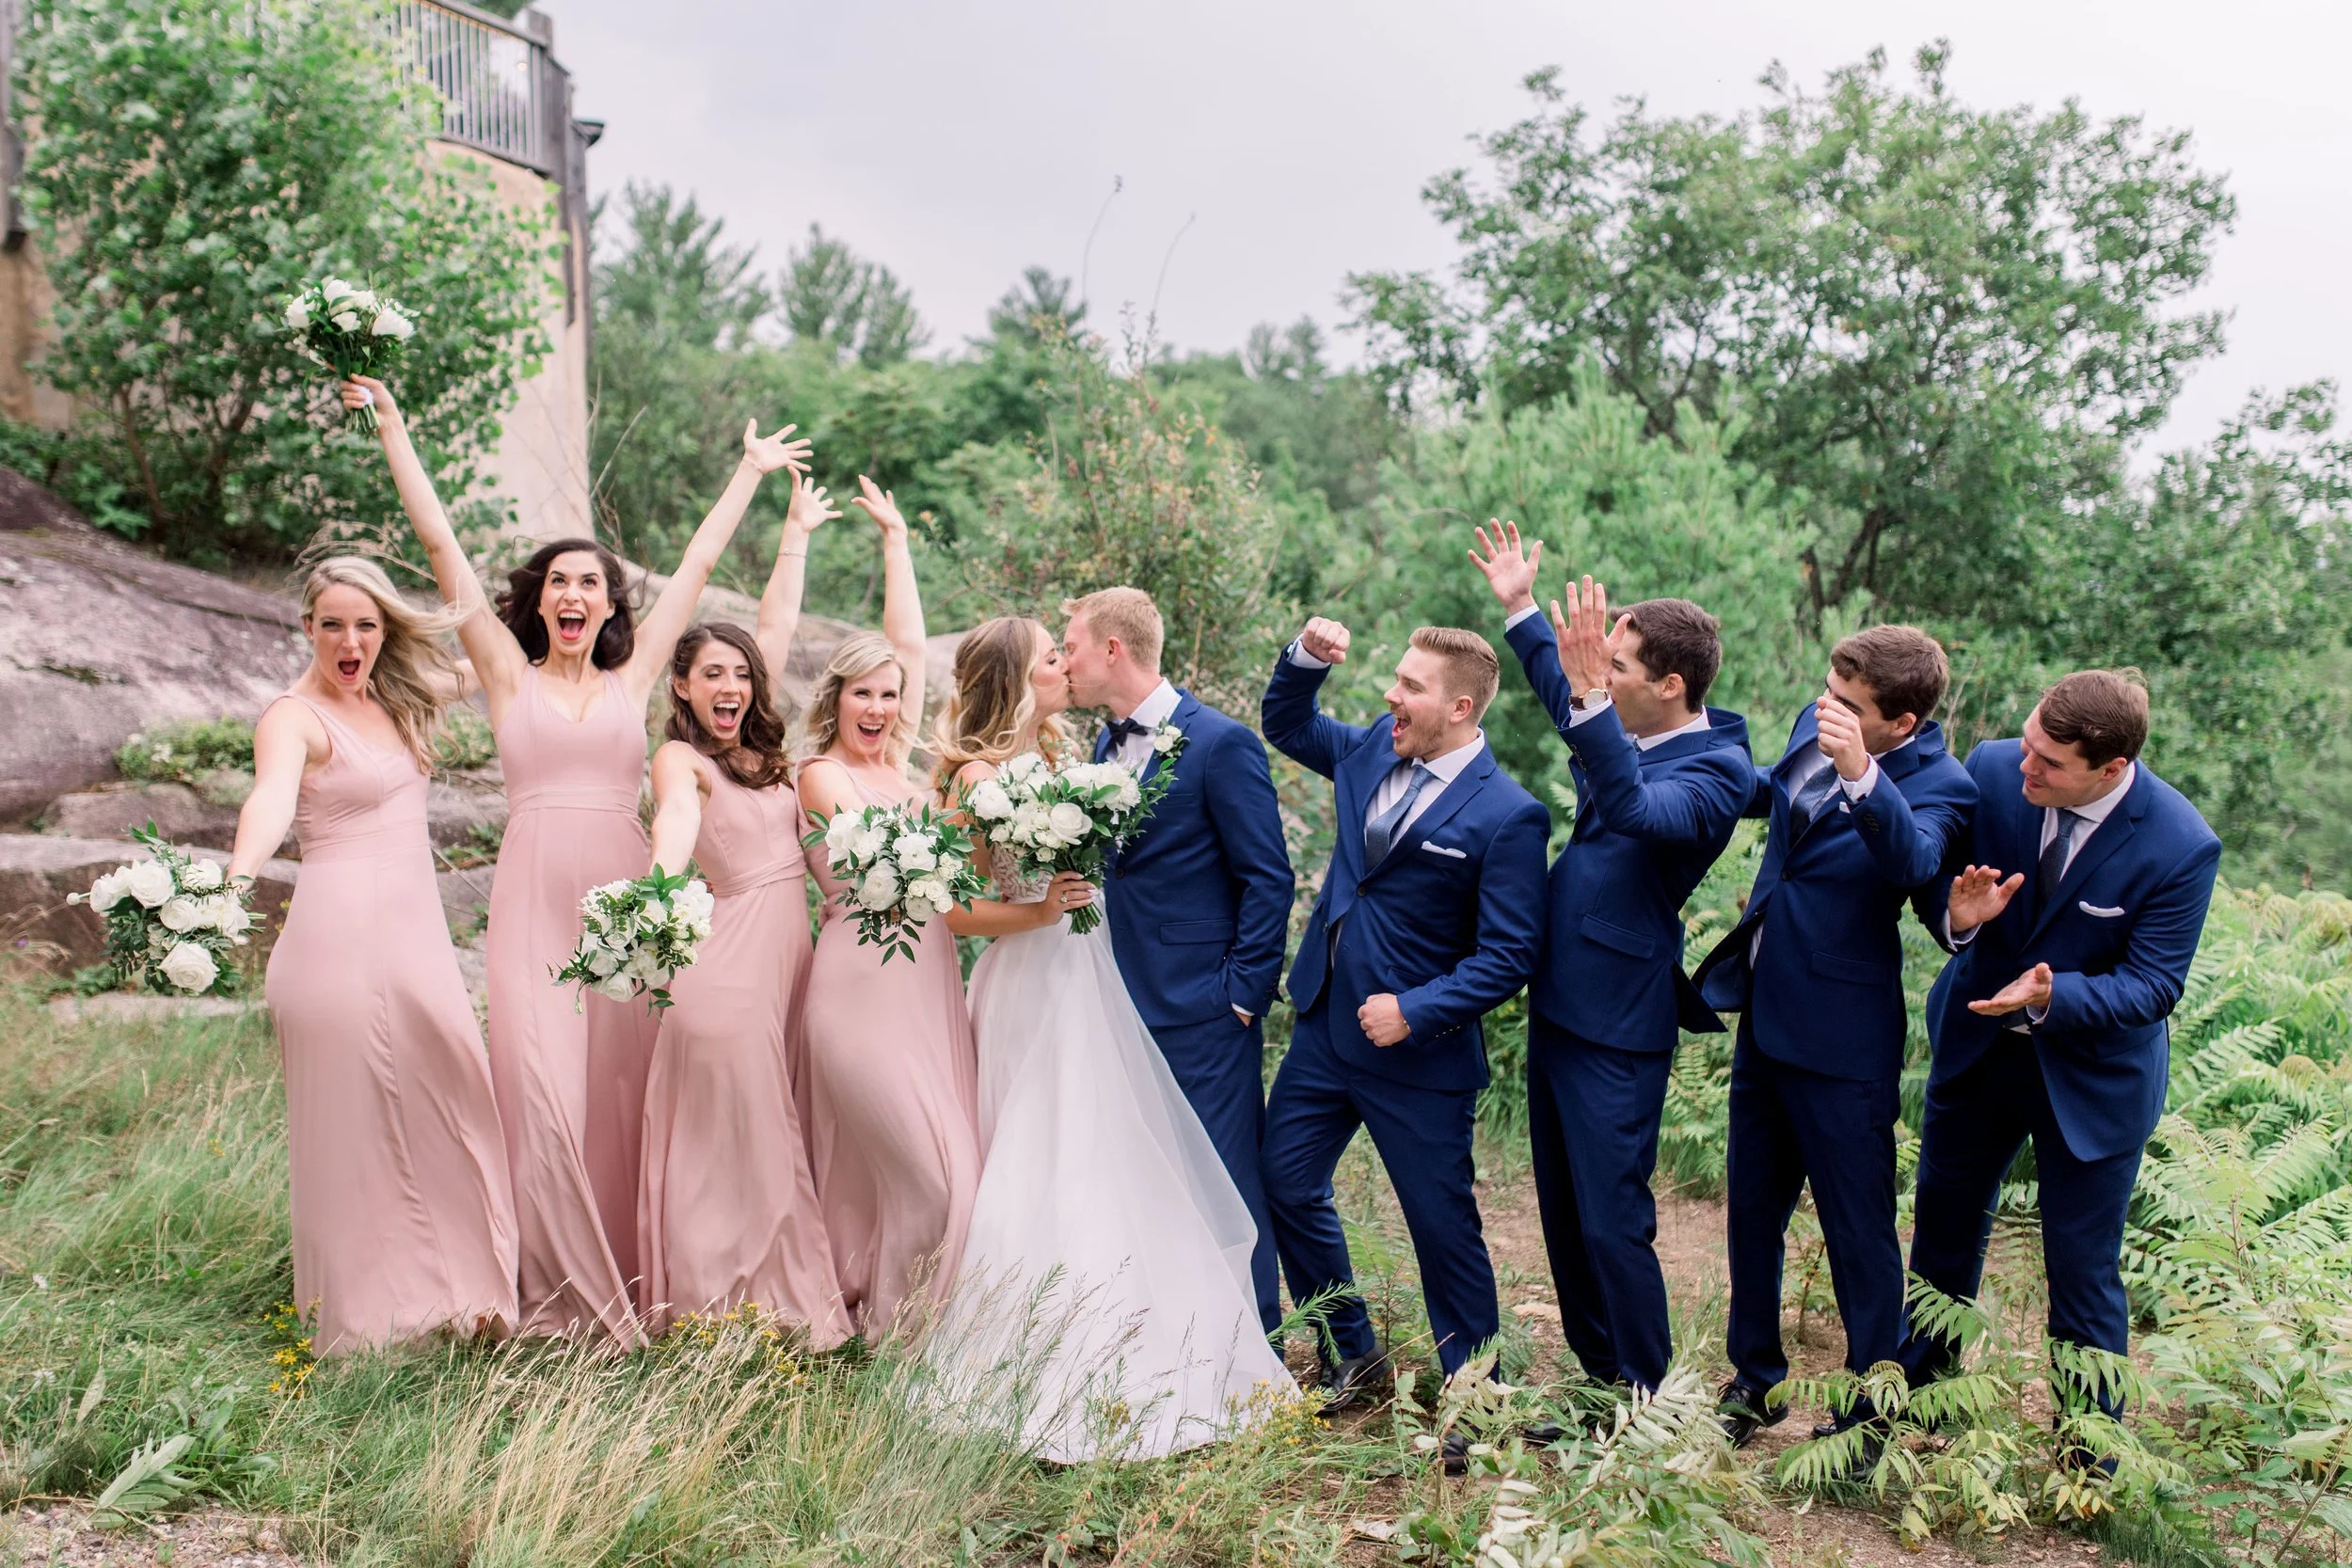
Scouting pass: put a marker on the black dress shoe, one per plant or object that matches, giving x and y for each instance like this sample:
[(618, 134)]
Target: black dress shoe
[(1745, 1411), (1355, 1382), (1453, 1454), (1542, 1435)]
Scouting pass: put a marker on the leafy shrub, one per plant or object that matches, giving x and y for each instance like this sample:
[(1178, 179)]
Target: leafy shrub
[(188, 752), (466, 742)]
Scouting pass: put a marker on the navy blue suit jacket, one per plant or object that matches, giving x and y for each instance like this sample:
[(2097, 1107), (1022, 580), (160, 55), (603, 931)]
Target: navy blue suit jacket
[(1648, 824), (1201, 905), (2118, 934), (1826, 991), (1449, 923)]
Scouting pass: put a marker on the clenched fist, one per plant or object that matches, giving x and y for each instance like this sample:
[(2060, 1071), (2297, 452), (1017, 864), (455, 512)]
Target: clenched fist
[(1324, 639)]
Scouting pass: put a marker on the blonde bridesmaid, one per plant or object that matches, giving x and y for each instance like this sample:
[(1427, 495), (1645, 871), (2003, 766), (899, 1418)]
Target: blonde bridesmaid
[(403, 1221), (567, 671)]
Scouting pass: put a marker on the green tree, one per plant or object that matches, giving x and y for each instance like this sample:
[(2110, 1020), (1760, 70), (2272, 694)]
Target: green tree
[(673, 274), (189, 167), (858, 309), (1945, 320)]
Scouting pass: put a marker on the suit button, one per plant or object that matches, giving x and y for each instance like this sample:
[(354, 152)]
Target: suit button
[(1119, 871), (1359, 888)]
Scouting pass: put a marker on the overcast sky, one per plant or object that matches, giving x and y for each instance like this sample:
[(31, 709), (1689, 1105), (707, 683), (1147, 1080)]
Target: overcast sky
[(957, 143)]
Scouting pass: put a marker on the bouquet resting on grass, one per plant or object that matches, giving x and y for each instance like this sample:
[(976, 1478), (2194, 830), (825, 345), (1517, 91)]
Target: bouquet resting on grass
[(904, 867), (1069, 818), (635, 935), (170, 920), (352, 331)]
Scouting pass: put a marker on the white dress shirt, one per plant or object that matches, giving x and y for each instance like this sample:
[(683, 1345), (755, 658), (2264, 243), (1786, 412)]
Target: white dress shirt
[(1447, 768), (2091, 813), (1158, 706)]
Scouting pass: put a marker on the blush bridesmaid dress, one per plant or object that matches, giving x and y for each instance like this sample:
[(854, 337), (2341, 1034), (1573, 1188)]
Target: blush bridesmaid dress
[(404, 1223), (728, 1210), (893, 1097), (571, 1079)]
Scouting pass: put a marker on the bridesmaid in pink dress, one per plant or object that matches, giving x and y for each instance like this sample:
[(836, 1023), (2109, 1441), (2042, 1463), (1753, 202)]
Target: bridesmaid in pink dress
[(403, 1221), (567, 671), (729, 1213), (891, 1083)]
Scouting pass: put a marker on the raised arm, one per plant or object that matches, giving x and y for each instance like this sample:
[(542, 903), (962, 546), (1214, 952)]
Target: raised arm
[(288, 742), (780, 605), (497, 659), (1294, 723), (674, 610), (677, 806), (902, 601)]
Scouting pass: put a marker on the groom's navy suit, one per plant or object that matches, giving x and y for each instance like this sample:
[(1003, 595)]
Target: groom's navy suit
[(1816, 1069), (2087, 1081), (1609, 999), (1448, 922), (1199, 910)]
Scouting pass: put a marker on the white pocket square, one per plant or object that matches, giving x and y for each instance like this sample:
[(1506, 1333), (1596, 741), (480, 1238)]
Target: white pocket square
[(1463, 855), (2103, 915)]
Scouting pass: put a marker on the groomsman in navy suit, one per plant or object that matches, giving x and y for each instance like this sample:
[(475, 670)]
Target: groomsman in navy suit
[(2049, 1022), (1863, 807), (1430, 916), (1199, 902), (1661, 779)]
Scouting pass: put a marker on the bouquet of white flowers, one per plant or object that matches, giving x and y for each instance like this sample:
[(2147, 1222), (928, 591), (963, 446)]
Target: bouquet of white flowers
[(170, 920), (352, 331), (903, 867), (1068, 818), (635, 935)]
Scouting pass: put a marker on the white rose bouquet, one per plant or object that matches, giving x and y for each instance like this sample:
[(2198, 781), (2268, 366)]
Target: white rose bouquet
[(170, 920), (352, 331), (1068, 818), (904, 867), (635, 935)]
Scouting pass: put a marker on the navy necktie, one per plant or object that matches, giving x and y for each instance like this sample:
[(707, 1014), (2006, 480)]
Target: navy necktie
[(2052, 870), (1812, 798), (1381, 837)]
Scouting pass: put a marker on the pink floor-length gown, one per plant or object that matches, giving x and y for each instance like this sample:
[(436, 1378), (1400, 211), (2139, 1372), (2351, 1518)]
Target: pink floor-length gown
[(893, 1097), (571, 1080), (404, 1222), (728, 1213)]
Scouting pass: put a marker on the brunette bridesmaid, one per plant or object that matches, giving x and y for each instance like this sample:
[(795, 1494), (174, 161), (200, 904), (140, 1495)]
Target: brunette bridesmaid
[(892, 1083), (728, 1215), (403, 1221), (567, 671)]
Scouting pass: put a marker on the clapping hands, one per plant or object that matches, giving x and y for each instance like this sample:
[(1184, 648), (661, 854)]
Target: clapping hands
[(1979, 894), (2030, 989)]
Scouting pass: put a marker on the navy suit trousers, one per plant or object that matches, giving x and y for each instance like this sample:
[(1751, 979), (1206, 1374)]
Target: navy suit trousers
[(1422, 1136), (1975, 1122), (1788, 1127), (1592, 1117), (1219, 1066)]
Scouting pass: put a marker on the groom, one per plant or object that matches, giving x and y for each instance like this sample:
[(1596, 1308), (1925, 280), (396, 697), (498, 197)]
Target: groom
[(1199, 902)]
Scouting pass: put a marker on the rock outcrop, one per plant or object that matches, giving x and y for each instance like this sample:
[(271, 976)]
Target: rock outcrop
[(38, 871)]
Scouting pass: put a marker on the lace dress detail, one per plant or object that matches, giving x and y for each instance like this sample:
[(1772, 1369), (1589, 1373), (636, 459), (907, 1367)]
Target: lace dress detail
[(1006, 875)]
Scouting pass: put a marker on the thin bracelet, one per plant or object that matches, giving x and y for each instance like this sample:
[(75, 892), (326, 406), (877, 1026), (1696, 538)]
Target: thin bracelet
[(799, 552)]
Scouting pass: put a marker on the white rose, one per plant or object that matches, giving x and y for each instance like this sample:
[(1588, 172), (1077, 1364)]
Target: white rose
[(879, 890), (1166, 738), (1068, 821), (202, 876), (602, 961), (949, 868), (1021, 767), (108, 890), (149, 881), (190, 968), (653, 912), (298, 312), (913, 852), (391, 323), (346, 322), (989, 802), (362, 300), (840, 833), (1130, 793), (644, 964), (224, 914), (617, 988), (867, 843), (181, 912), (335, 289)]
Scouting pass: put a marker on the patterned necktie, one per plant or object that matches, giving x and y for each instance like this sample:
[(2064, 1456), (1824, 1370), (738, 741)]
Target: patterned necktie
[(1812, 798), (1381, 837), (2052, 870)]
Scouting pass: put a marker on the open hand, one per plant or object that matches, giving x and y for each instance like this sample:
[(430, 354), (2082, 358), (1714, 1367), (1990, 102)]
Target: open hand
[(1840, 737), (1979, 894), (2029, 990), (768, 453), (1324, 639), (811, 509), (1588, 645), (880, 505), (1382, 1021), (360, 389), (1510, 572)]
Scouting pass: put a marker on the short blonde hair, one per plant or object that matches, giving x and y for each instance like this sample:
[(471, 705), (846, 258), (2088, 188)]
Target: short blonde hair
[(1126, 614), (1471, 668)]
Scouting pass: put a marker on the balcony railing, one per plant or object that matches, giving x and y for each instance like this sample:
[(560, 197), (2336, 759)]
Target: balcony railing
[(501, 91)]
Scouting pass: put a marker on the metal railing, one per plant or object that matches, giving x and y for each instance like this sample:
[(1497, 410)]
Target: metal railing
[(501, 91)]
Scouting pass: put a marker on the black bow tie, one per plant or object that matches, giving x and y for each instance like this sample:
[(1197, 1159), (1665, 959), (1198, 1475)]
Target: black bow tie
[(1124, 727)]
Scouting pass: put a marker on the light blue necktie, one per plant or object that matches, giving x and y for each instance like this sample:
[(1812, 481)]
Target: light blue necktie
[(1381, 837)]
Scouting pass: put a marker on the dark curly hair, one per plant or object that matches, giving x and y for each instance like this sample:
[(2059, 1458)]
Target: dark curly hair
[(757, 760), (519, 604)]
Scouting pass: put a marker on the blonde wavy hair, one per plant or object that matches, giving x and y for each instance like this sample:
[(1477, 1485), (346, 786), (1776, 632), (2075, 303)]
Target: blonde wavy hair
[(989, 716), (415, 673), (860, 653)]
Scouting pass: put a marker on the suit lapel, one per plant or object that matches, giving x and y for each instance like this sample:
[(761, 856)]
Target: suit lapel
[(2121, 824), (1465, 785), (1186, 708)]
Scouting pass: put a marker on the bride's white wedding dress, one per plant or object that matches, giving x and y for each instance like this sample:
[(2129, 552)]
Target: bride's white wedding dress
[(1103, 1306)]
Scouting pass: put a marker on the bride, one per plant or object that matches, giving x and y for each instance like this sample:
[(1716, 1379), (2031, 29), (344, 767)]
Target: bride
[(1103, 1307)]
